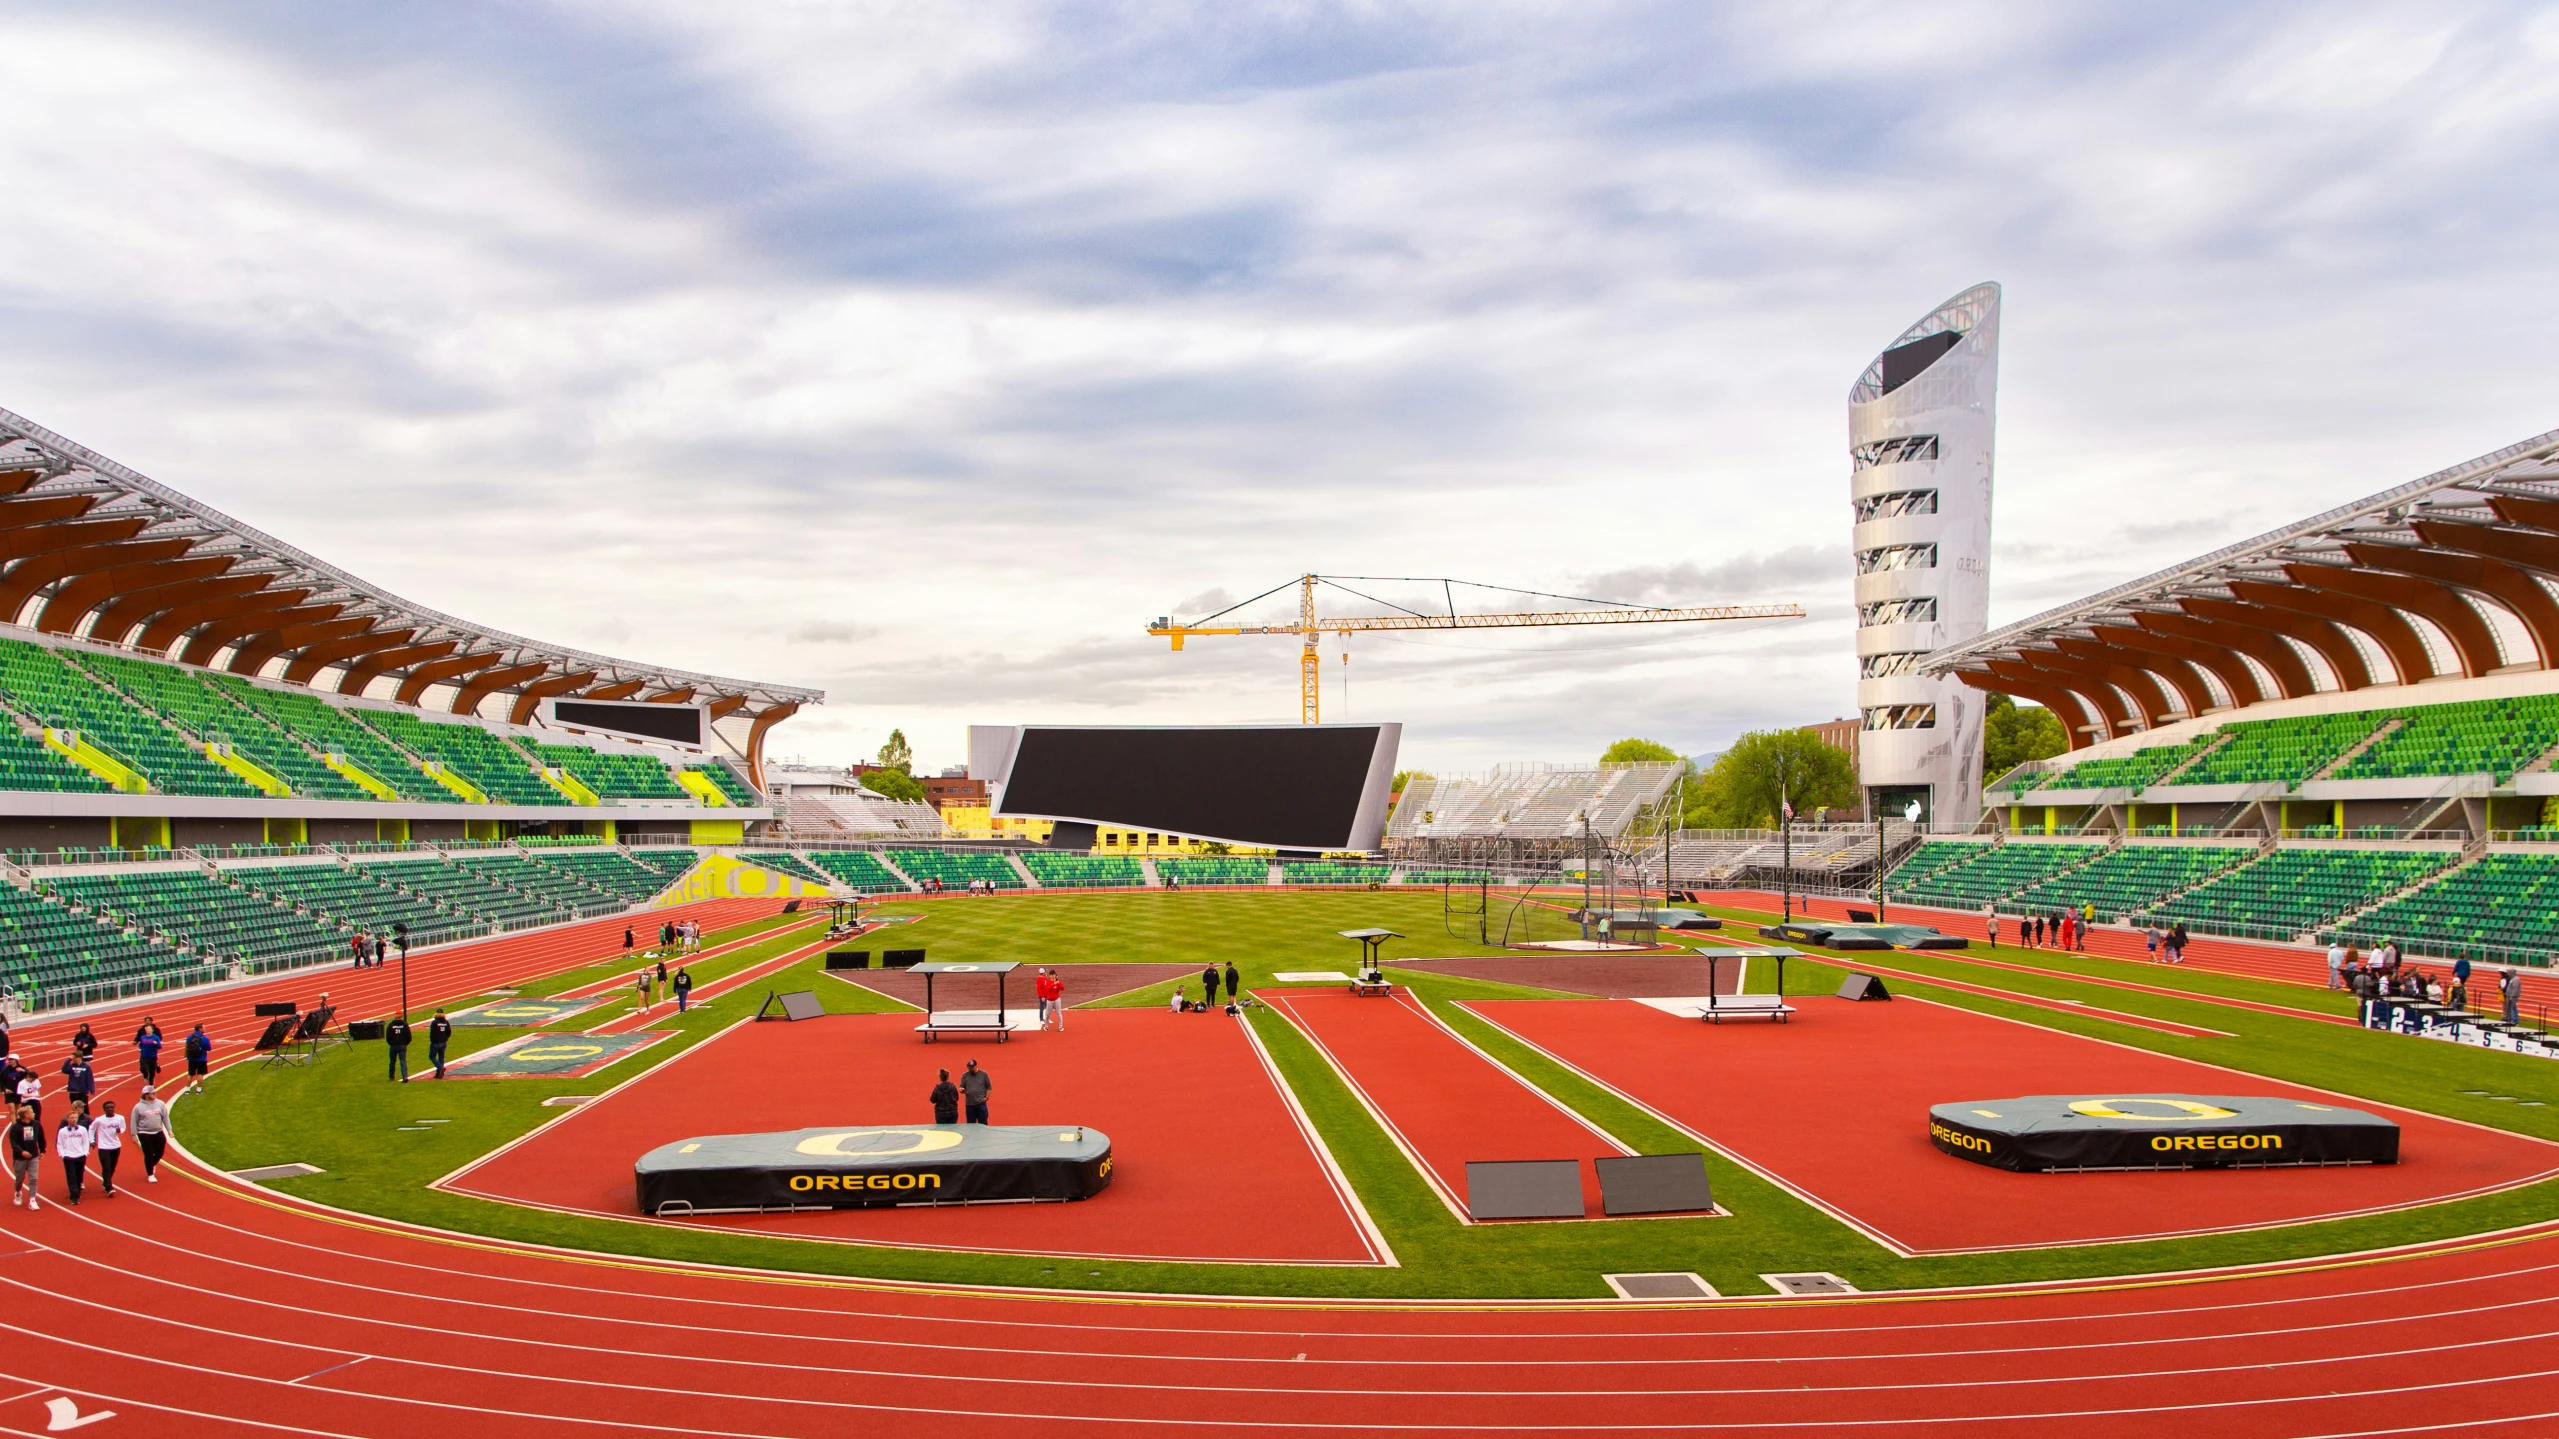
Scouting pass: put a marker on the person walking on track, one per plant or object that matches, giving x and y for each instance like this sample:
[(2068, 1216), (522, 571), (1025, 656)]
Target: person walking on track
[(395, 1038), (71, 1146), (682, 983), (661, 987), (974, 1085), (1046, 987), (146, 1051), (151, 1131), (439, 1034), (946, 1101), (106, 1136), (26, 1146), (79, 1081), (199, 1057), (31, 1094), (630, 937), (83, 1043)]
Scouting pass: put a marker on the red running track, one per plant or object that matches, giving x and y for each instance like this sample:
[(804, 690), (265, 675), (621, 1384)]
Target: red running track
[(1443, 1101), (1210, 1159), (210, 1308), (1834, 1106)]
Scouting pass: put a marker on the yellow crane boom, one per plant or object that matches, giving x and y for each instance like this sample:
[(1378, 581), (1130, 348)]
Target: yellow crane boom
[(1310, 626)]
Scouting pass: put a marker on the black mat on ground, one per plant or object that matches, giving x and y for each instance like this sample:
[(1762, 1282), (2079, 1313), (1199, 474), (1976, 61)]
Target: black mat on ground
[(2158, 1131), (1524, 1189), (863, 1168), (1653, 1184)]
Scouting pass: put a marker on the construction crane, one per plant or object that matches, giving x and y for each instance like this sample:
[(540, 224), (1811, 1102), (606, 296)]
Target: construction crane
[(1310, 666)]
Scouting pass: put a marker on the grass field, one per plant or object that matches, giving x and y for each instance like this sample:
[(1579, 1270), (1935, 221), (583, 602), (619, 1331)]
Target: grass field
[(342, 1117)]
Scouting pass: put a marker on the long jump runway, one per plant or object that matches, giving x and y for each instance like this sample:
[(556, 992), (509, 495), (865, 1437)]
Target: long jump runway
[(1834, 1106), (1211, 1160), (1442, 1100)]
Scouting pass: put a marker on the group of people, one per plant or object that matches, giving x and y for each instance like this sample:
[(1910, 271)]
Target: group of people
[(80, 1135), (676, 936), (1051, 993), (396, 1037), (370, 949), (972, 1090), (1207, 1003), (2385, 974), (2063, 928), (656, 984)]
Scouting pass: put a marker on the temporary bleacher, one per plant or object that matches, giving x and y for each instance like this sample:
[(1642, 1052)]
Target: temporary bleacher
[(1083, 871), (346, 894), (2128, 880), (187, 701), (609, 775), (1214, 869), (2502, 905), (39, 686), (2295, 890), (1995, 873), (955, 869), (1532, 802), (497, 769), (191, 908), (1329, 871), (858, 869)]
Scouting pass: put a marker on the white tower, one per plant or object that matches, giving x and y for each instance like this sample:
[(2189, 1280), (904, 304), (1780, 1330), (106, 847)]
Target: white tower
[(1920, 428)]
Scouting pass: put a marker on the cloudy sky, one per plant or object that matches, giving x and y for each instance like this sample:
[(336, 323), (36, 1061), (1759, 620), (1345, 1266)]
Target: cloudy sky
[(924, 352)]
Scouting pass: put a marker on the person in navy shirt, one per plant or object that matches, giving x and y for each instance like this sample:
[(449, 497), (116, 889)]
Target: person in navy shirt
[(79, 1081)]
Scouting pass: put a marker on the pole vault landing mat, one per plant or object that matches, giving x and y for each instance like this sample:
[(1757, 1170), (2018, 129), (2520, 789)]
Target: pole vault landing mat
[(858, 1168), (560, 1056), (1830, 1106), (2044, 1132), (1210, 1159), (521, 1013)]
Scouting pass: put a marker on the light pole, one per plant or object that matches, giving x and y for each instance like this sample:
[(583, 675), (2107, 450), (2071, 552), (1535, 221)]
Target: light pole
[(1880, 849), (400, 936)]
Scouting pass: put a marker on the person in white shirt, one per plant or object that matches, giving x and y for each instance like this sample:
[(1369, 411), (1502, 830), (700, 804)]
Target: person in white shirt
[(1179, 1004), (71, 1145), (31, 1093), (106, 1136), (151, 1131)]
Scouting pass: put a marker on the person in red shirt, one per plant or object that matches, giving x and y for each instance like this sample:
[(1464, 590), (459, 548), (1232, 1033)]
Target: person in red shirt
[(1052, 995)]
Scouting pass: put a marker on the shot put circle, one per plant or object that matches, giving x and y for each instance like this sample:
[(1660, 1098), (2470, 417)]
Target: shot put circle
[(879, 1142)]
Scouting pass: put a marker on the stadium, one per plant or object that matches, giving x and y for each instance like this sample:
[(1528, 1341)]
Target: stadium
[(1526, 1109)]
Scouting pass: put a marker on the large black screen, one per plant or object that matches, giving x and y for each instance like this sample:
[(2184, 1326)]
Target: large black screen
[(679, 723), (1288, 787)]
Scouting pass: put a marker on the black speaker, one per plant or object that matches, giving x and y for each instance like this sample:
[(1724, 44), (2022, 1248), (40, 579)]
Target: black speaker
[(792, 908), (1863, 986), (270, 1011), (901, 958), (364, 1029), (848, 959)]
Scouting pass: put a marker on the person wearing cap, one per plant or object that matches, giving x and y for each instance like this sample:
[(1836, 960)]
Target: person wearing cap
[(71, 1146), (106, 1136), (26, 1146), (1047, 989), (151, 1131), (439, 1034), (974, 1084), (79, 1080)]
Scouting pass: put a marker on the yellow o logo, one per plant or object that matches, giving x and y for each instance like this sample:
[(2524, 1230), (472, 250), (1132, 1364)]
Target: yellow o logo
[(918, 1141), (560, 1051), (2186, 1109)]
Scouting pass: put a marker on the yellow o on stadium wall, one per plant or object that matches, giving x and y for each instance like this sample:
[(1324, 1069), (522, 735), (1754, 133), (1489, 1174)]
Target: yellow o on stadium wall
[(723, 876)]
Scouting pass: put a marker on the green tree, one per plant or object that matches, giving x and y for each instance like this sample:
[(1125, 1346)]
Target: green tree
[(895, 753), (2012, 734), (1407, 776), (1640, 751), (1743, 790), (894, 783)]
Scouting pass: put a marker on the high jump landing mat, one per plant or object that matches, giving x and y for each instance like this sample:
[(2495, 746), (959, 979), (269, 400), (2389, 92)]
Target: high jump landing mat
[(1835, 1108), (1211, 1160)]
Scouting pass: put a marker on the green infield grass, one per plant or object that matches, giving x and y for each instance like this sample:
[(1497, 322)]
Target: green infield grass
[(338, 1114)]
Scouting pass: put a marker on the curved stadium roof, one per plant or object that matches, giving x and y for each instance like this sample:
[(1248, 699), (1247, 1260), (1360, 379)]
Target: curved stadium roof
[(2450, 575), (91, 548)]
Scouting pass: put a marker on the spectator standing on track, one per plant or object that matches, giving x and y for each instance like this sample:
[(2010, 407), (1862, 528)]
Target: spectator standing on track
[(83, 1043), (661, 977), (2510, 992), (974, 1085), (2177, 943), (2336, 962), (439, 1034), (683, 985), (2460, 976), (151, 1131), (2087, 921), (946, 1101), (106, 1136), (26, 1146), (71, 1146), (2032, 928), (146, 1047), (1045, 988), (395, 1038), (79, 1081), (31, 1094), (1208, 986), (1234, 983), (630, 937), (640, 982), (1991, 919)]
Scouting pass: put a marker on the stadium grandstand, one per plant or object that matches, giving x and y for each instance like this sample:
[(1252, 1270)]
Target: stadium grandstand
[(1525, 809), (220, 754), (2347, 726)]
